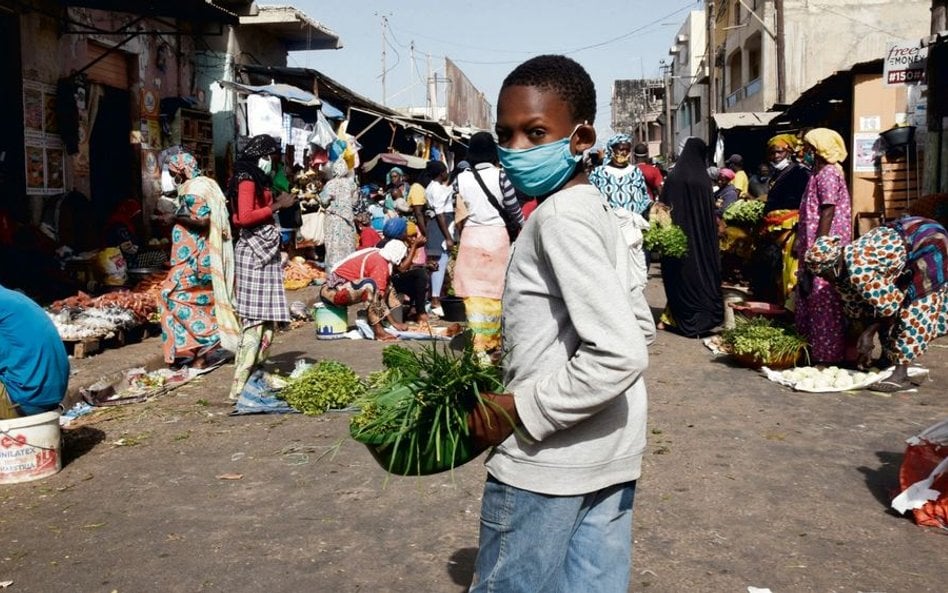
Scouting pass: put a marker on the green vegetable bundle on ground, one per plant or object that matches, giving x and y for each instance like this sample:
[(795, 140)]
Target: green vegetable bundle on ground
[(413, 419), (327, 385), (663, 236), (744, 213), (758, 342)]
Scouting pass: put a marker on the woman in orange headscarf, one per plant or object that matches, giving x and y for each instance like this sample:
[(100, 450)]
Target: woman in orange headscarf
[(774, 270)]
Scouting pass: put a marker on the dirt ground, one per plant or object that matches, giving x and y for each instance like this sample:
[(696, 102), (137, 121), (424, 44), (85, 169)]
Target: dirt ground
[(745, 483)]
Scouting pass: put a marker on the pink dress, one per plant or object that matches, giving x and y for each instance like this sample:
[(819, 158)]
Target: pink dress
[(819, 316)]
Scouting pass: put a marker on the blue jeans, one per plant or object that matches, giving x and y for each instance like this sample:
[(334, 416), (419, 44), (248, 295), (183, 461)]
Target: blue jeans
[(533, 543)]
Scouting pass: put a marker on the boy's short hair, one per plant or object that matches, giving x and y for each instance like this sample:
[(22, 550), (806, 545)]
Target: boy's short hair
[(562, 75)]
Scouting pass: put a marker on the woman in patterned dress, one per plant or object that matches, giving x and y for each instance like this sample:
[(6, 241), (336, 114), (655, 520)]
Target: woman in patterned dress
[(339, 196), (826, 209), (261, 300), (895, 277), (196, 305), (622, 183)]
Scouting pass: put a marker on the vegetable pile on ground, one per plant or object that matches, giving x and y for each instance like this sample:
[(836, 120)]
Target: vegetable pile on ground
[(744, 213), (413, 419), (298, 273), (327, 385), (759, 342), (828, 379), (663, 236)]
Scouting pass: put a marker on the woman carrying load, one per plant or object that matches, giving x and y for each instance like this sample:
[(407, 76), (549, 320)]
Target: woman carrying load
[(196, 306)]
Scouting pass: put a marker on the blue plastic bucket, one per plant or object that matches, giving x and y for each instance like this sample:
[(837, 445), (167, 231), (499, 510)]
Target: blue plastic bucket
[(331, 322)]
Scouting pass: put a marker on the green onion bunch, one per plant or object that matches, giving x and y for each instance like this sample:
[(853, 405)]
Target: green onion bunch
[(414, 417)]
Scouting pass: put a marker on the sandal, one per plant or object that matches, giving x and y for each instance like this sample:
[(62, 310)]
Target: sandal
[(888, 387)]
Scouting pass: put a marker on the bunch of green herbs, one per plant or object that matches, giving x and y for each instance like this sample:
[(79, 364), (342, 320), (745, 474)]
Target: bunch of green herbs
[(668, 241), (759, 338), (327, 385), (744, 213), (414, 417)]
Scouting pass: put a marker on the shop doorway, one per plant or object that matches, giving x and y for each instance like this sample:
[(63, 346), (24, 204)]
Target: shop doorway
[(12, 176), (110, 152)]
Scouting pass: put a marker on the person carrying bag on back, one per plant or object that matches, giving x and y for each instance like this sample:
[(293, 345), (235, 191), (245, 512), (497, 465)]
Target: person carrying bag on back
[(492, 223)]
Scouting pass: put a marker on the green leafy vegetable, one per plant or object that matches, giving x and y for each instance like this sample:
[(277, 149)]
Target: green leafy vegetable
[(663, 236), (327, 385), (744, 213), (414, 418), (759, 339), (669, 241)]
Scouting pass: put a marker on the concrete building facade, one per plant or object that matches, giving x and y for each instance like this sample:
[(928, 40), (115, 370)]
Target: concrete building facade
[(685, 83), (768, 52)]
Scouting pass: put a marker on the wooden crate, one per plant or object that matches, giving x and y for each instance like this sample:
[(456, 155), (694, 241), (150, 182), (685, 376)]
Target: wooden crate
[(83, 348), (899, 186)]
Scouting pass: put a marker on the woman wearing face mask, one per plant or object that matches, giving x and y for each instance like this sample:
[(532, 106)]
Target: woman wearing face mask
[(773, 273), (196, 307), (622, 184), (261, 301), (826, 210)]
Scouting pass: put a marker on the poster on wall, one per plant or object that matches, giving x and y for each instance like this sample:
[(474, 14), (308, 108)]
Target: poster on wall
[(45, 158), (55, 170), (32, 110), (35, 170), (864, 155)]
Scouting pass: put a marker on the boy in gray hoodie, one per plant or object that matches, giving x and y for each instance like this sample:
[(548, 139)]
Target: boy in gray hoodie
[(557, 507)]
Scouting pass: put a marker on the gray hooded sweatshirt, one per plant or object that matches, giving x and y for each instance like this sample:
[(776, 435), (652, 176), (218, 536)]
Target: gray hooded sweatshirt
[(574, 338)]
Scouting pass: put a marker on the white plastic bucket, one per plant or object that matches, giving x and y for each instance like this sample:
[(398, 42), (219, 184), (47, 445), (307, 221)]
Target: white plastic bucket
[(30, 448)]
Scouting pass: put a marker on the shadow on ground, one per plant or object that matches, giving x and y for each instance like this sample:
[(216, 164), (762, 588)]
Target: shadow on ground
[(461, 567), (79, 441), (883, 481)]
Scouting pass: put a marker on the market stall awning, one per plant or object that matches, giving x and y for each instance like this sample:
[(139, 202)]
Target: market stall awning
[(291, 25), (744, 119), (396, 159), (431, 128), (280, 90), (192, 10)]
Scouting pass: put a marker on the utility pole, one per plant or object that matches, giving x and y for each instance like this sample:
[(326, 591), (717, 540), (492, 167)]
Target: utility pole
[(711, 64), (384, 25), (432, 89), (781, 53), (411, 79), (669, 132)]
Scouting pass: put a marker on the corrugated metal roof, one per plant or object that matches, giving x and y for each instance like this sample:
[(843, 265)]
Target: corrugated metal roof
[(292, 26), (744, 119)]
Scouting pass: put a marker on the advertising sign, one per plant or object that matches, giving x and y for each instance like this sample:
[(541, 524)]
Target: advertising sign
[(905, 63)]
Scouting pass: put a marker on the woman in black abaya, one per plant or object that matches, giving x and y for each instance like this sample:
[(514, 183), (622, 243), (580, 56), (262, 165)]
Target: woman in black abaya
[(692, 283)]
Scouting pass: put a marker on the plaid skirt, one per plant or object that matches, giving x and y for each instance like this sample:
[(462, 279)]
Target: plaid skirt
[(259, 276)]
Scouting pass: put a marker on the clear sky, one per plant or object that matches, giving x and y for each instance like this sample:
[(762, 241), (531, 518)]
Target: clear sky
[(612, 40)]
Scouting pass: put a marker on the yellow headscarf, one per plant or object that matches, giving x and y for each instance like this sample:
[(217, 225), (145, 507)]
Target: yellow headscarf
[(828, 144), (787, 141)]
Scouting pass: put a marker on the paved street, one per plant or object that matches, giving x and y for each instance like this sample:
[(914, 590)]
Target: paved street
[(745, 484)]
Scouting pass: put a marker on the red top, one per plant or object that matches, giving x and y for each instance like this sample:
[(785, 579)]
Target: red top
[(253, 209), (369, 237), (371, 265), (653, 179)]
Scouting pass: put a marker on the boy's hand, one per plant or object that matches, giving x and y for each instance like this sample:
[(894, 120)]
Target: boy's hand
[(488, 424)]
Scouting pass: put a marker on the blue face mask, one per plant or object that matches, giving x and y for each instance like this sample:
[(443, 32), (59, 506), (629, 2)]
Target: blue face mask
[(542, 169), (809, 159)]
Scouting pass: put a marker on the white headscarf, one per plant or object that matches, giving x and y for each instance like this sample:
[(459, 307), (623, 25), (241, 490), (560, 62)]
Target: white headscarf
[(394, 251)]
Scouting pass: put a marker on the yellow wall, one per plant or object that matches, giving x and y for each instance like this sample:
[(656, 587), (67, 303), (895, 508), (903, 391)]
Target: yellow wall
[(871, 98)]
